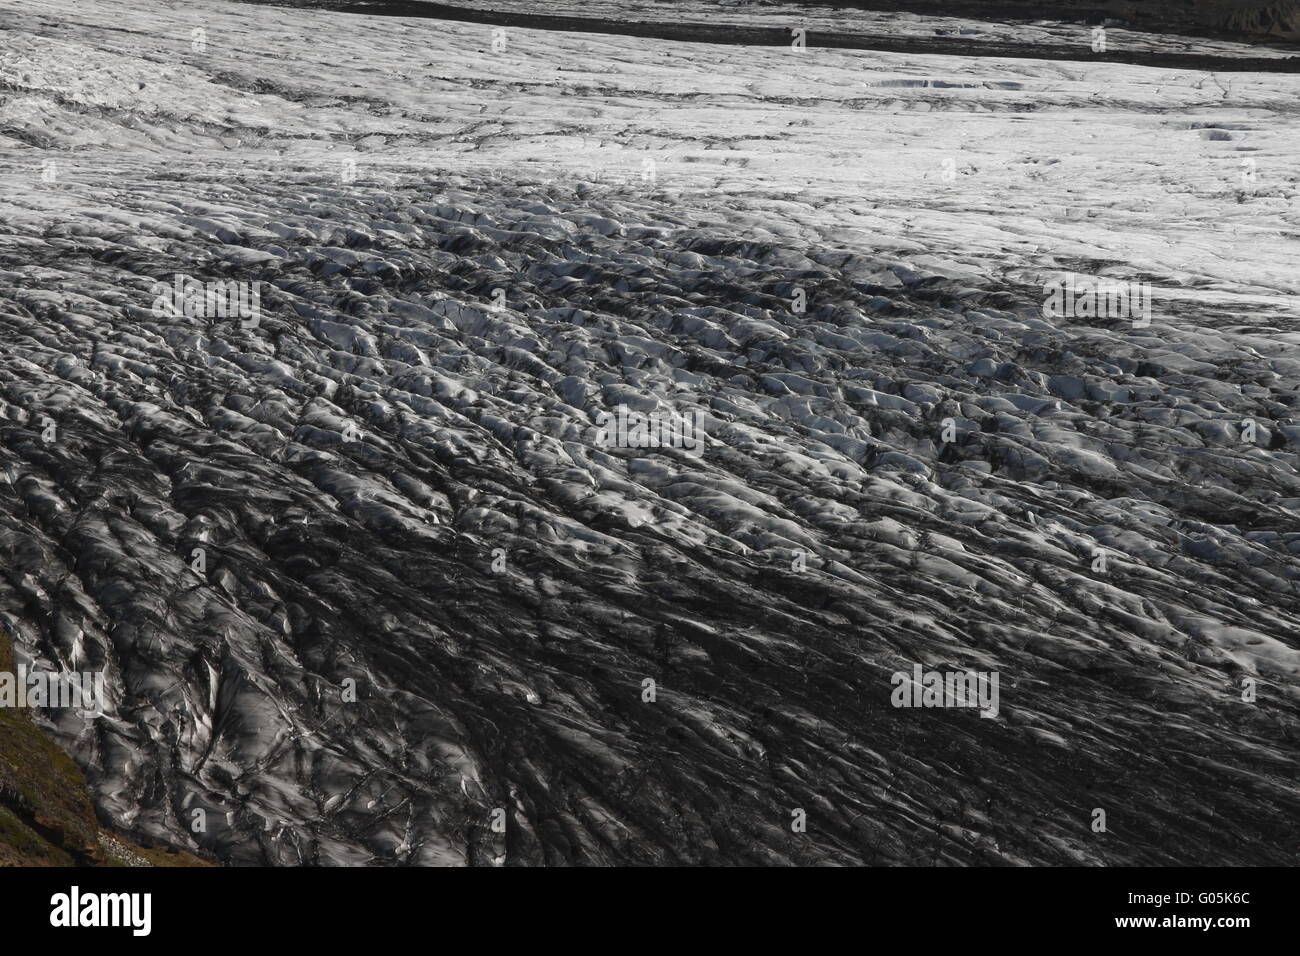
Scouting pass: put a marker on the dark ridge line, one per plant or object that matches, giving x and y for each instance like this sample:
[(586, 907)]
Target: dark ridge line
[(1029, 12), (776, 36)]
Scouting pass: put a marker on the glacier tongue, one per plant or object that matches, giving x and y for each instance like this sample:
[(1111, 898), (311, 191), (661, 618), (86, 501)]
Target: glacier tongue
[(365, 580)]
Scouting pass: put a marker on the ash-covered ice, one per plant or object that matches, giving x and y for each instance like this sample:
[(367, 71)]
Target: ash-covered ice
[(535, 447)]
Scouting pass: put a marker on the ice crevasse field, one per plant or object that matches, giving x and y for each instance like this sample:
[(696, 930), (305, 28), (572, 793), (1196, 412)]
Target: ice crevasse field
[(469, 241)]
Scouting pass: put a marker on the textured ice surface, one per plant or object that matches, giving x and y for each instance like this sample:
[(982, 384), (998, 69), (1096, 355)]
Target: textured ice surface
[(353, 464)]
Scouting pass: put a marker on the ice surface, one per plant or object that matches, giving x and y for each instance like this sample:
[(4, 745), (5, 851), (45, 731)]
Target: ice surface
[(354, 463)]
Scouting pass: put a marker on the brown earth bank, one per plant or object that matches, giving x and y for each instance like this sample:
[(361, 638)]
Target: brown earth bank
[(46, 817)]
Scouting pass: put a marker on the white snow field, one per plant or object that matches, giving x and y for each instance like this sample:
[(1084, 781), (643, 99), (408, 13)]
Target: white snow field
[(395, 479)]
